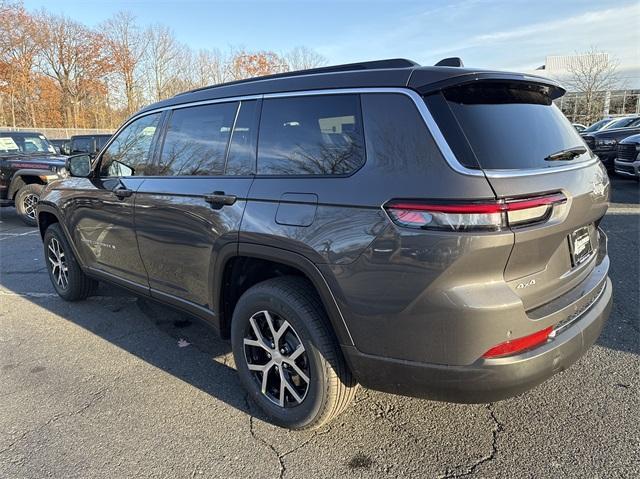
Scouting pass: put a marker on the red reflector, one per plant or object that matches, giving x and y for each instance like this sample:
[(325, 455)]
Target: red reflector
[(520, 344)]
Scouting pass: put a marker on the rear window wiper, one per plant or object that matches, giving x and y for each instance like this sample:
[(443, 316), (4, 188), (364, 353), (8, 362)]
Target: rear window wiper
[(568, 154)]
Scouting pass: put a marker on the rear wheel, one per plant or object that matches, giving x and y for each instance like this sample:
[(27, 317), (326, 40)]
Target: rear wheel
[(65, 273), (287, 356), (26, 200)]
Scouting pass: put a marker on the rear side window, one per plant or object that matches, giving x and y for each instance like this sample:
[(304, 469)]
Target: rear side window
[(196, 140), (311, 135), (500, 125)]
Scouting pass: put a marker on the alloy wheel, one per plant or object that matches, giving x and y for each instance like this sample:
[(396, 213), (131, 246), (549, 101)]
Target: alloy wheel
[(277, 359), (29, 203), (58, 262)]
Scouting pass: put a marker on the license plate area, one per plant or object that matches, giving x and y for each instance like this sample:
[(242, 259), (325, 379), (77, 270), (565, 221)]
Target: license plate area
[(580, 246)]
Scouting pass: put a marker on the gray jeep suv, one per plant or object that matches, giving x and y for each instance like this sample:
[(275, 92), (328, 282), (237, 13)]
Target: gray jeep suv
[(429, 231)]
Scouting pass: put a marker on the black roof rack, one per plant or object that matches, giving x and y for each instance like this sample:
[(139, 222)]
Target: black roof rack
[(372, 65)]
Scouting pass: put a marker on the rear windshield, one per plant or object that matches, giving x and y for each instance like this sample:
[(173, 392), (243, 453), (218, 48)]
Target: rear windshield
[(498, 125)]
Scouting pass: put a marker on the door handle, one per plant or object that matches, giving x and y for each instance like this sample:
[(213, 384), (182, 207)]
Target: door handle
[(218, 199), (122, 192)]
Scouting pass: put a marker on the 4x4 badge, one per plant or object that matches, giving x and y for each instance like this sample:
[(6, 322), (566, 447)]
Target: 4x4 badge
[(527, 284)]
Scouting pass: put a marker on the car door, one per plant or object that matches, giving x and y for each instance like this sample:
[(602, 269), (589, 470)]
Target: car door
[(100, 213), (192, 209)]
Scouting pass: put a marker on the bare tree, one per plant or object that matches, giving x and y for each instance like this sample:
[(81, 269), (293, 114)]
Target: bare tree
[(303, 58), (592, 75), (211, 68), (161, 56), (126, 45)]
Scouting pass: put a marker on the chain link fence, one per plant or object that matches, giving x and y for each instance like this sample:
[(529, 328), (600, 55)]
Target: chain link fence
[(60, 133)]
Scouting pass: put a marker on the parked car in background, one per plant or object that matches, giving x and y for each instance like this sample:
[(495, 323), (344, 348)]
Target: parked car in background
[(624, 122), (627, 162), (598, 125), (27, 162), (579, 127), (430, 231), (61, 145), (90, 144), (604, 143)]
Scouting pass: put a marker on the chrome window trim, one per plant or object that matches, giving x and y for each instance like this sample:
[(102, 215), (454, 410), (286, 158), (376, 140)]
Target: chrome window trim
[(428, 119)]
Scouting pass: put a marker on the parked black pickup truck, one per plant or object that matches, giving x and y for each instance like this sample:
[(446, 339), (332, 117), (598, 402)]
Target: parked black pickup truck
[(27, 162), (605, 143)]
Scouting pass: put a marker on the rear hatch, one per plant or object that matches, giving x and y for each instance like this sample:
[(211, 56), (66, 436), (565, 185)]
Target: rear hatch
[(511, 130)]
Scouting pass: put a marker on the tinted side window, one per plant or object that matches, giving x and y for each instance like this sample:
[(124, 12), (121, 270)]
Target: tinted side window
[(130, 152), (241, 158), (196, 140), (313, 135), (82, 145), (397, 137)]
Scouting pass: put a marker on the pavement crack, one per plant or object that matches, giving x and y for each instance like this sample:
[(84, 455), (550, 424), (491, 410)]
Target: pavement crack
[(95, 397), (280, 456), (283, 468), (462, 470)]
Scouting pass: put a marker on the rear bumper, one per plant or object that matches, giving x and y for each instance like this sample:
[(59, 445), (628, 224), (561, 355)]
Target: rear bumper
[(486, 380)]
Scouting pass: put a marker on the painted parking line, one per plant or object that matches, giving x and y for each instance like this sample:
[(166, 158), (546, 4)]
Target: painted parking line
[(621, 210), (6, 236), (4, 292)]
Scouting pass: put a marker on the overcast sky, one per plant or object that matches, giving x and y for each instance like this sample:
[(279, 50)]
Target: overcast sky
[(505, 34)]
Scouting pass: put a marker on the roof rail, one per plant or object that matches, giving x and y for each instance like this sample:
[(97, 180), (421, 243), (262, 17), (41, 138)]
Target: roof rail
[(372, 65), (450, 62)]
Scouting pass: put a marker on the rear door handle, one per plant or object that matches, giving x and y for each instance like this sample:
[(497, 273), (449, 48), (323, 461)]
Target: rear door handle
[(218, 199)]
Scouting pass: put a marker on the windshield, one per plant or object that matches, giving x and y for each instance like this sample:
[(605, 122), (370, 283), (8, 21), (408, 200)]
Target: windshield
[(622, 123), (504, 125), (597, 125), (21, 144)]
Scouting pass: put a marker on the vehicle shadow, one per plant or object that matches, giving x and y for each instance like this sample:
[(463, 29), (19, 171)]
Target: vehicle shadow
[(170, 340)]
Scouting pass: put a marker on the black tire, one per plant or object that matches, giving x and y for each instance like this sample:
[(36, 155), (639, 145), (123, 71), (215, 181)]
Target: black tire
[(330, 386), (26, 199), (77, 285)]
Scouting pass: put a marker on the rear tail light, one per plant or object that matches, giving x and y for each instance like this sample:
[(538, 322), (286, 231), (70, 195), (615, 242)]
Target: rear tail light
[(514, 346), (491, 216)]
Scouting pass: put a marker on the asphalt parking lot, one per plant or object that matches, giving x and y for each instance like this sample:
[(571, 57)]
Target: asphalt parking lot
[(119, 387)]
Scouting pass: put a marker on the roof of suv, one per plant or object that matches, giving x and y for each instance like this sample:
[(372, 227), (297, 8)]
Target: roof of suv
[(398, 72)]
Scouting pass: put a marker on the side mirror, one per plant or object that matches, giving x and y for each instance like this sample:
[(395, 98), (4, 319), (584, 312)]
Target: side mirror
[(79, 165)]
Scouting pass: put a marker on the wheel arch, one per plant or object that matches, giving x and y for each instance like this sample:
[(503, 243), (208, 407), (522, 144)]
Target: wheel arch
[(228, 290), (25, 177)]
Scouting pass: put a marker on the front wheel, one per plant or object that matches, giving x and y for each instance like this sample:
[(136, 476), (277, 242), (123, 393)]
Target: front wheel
[(26, 200), (287, 356), (65, 273)]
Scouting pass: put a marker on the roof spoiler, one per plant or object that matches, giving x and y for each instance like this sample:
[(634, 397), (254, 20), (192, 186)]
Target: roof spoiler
[(450, 62)]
